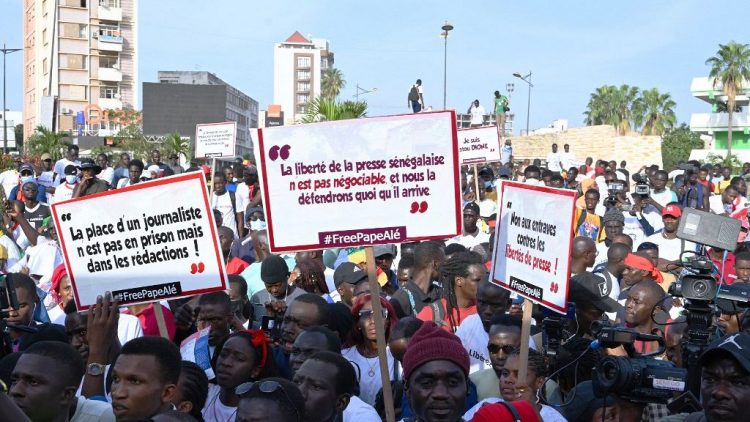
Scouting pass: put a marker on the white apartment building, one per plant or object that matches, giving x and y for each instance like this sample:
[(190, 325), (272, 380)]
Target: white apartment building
[(297, 66), (80, 60)]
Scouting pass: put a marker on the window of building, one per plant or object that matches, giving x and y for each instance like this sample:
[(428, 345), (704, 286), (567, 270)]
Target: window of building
[(111, 30), (109, 62), (44, 65), (301, 108), (303, 98), (73, 61), (73, 30), (303, 62), (109, 3), (109, 91), (303, 86), (303, 75), (74, 3), (44, 36)]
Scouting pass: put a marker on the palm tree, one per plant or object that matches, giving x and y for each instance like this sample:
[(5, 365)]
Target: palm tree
[(323, 109), (655, 112), (730, 67), (331, 83), (175, 144), (45, 141), (599, 110), (611, 105)]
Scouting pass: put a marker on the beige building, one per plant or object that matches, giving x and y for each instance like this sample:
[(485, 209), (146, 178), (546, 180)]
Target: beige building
[(83, 54)]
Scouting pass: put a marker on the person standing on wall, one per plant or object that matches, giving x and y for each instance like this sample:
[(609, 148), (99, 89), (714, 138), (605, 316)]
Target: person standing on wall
[(416, 99), (501, 106)]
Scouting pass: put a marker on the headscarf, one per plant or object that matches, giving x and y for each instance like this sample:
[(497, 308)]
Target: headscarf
[(640, 263), (57, 277)]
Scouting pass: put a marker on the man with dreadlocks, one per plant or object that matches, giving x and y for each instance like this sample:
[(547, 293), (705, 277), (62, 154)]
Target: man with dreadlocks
[(460, 275)]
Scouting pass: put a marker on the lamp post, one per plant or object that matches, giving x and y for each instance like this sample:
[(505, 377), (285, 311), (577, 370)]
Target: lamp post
[(361, 90), (526, 79), (6, 51), (446, 28)]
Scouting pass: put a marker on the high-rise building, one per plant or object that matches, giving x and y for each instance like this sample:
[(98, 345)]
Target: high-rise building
[(297, 66), (80, 60), (714, 126)]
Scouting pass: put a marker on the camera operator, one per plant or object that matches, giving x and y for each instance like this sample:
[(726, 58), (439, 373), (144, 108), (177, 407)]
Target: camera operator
[(591, 296), (694, 194), (725, 382)]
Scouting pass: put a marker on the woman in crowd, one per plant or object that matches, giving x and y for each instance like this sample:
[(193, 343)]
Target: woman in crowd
[(363, 349), (244, 356), (460, 276), (62, 293), (309, 276), (192, 390)]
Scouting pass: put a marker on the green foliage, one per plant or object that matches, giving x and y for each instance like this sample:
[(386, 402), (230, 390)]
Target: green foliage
[(627, 107), (18, 132), (677, 144), (101, 149), (130, 138), (175, 144), (45, 141), (331, 83), (729, 67), (654, 112), (731, 160), (323, 109)]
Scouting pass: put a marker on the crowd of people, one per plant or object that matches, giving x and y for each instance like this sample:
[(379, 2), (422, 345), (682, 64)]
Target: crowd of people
[(294, 337)]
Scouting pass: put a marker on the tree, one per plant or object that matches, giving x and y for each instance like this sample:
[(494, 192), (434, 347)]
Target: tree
[(611, 105), (18, 132), (322, 109), (45, 141), (131, 138), (730, 67), (175, 144), (677, 144), (654, 111), (331, 83)]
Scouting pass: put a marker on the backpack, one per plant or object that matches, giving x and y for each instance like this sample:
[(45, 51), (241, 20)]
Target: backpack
[(414, 93), (233, 198)]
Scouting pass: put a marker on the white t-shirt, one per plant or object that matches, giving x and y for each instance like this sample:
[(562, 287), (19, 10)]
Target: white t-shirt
[(568, 160), (215, 410), (107, 174), (223, 203), (547, 413), (9, 180), (469, 241), (63, 193), (14, 254), (670, 249), (553, 162), (93, 411), (716, 205), (663, 198), (601, 257), (46, 179), (368, 372), (475, 340), (477, 115), (359, 411), (242, 197)]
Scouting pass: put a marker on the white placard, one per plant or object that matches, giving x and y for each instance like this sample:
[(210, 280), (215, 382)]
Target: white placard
[(145, 242), (215, 139), (476, 146), (360, 182), (533, 243)]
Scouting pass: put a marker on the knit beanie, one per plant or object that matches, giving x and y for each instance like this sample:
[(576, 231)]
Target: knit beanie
[(499, 412), (431, 342), (613, 215), (273, 269)]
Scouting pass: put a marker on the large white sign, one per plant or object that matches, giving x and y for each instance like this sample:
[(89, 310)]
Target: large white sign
[(215, 139), (533, 243), (479, 145), (143, 243), (361, 181)]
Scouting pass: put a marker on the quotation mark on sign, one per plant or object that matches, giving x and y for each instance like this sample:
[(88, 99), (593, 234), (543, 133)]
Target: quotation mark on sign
[(66, 217), (418, 207), (279, 152), (554, 287), (197, 268)]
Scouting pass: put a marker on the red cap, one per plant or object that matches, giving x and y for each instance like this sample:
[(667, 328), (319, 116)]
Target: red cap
[(672, 210)]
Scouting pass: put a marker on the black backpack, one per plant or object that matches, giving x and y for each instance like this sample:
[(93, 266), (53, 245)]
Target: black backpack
[(414, 93)]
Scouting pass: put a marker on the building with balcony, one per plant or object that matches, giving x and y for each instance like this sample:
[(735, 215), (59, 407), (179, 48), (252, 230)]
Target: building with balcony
[(714, 125), (80, 60), (297, 66), (183, 99)]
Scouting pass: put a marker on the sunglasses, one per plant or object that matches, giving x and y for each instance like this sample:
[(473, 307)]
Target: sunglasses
[(266, 387), (369, 314), (494, 348)]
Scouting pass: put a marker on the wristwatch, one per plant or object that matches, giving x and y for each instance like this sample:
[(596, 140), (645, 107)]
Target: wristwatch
[(95, 369)]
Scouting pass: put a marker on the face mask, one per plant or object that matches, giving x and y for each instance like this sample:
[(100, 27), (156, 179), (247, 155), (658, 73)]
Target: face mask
[(487, 184), (257, 225), (71, 178), (26, 179)]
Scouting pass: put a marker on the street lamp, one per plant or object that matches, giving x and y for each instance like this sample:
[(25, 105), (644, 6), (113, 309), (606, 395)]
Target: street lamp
[(526, 79), (6, 51), (446, 28), (361, 90), (510, 87)]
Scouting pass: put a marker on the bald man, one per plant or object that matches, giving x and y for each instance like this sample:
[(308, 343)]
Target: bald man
[(645, 299), (583, 255), (613, 268)]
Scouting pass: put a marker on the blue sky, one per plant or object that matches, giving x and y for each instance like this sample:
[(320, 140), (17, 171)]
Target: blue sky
[(572, 47)]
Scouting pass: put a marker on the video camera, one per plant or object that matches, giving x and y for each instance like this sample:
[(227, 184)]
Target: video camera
[(613, 189), (642, 186), (637, 378)]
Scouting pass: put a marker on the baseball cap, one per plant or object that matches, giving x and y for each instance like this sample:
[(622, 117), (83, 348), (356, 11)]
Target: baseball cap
[(587, 287), (46, 157), (26, 167), (70, 169), (380, 250), (737, 345), (348, 273), (671, 210)]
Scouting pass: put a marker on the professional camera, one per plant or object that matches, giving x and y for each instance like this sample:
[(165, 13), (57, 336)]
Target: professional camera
[(636, 378), (642, 187), (613, 189), (688, 167), (698, 284)]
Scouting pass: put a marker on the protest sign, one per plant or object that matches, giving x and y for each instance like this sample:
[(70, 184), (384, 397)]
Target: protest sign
[(143, 243), (215, 139), (195, 349), (360, 182), (533, 242), (477, 146)]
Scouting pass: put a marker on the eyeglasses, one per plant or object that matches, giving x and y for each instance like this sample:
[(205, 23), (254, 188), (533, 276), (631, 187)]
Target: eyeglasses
[(266, 387), (367, 314), (494, 348)]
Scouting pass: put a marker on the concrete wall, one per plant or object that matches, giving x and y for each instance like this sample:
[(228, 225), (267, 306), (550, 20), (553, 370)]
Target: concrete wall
[(598, 142)]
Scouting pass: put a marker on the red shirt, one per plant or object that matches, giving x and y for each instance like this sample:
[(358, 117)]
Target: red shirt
[(148, 321), (427, 314), (728, 268)]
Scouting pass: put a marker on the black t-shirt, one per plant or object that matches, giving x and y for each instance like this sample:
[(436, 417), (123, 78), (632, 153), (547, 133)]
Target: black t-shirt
[(36, 216), (402, 302)]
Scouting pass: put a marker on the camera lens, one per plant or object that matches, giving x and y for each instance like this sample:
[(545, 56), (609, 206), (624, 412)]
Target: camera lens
[(700, 288)]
